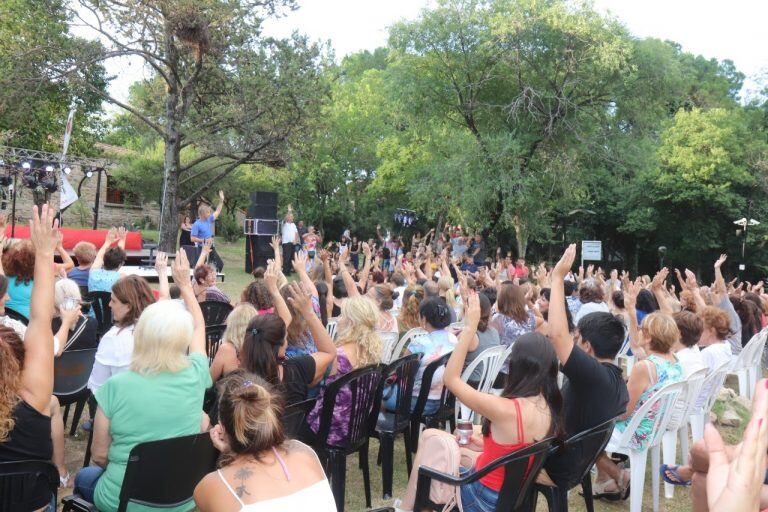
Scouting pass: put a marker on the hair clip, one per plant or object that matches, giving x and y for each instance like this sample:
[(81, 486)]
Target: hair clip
[(247, 384), (255, 331)]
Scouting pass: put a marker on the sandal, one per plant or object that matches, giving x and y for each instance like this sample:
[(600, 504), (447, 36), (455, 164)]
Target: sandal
[(674, 476), (626, 479), (64, 480), (599, 491)]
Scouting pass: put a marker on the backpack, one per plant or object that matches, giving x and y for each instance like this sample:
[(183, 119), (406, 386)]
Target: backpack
[(438, 450)]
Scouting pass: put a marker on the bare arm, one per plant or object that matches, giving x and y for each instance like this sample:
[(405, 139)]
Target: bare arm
[(326, 350), (122, 235), (271, 277), (67, 263), (630, 298), (161, 267), (657, 287), (111, 238), (349, 283), (101, 439), (558, 321), (720, 287), (363, 278), (300, 267), (37, 375), (217, 213), (206, 250), (181, 269)]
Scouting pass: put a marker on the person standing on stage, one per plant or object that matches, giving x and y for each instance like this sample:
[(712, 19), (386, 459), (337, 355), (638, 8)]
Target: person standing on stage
[(202, 229), (290, 237)]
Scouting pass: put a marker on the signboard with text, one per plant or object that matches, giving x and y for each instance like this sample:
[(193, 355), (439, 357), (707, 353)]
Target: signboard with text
[(591, 250)]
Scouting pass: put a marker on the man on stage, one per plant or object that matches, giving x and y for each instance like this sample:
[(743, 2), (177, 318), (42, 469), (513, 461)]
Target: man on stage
[(203, 228), (289, 239)]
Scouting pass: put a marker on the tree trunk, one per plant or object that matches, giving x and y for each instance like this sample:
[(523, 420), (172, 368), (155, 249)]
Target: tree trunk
[(520, 237), (169, 228)]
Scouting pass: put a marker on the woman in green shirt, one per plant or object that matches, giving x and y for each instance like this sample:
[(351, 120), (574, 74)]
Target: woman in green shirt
[(160, 397)]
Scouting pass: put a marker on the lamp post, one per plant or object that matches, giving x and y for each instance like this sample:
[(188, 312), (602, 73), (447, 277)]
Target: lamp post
[(744, 224)]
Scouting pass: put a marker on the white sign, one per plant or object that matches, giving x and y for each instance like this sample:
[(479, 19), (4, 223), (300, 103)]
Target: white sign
[(591, 250)]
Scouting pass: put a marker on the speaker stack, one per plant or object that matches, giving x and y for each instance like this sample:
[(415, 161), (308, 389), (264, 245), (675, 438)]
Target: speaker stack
[(260, 226)]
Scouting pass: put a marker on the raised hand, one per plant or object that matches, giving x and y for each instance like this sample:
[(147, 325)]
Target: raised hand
[(122, 234), (208, 246), (721, 260), (271, 275), (44, 230), (323, 255), (180, 270), (112, 236), (161, 263), (631, 291), (300, 262), (276, 243), (366, 249), (566, 262), (658, 280), (221, 195), (690, 280), (472, 314), (300, 299)]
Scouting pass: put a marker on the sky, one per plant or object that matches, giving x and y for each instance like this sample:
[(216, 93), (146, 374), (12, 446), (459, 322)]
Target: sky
[(733, 30)]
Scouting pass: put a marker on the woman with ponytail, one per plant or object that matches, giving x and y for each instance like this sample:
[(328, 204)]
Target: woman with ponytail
[(409, 313), (265, 343), (358, 345), (227, 357), (260, 470)]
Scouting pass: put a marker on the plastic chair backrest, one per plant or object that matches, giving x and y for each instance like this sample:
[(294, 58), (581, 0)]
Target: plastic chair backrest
[(623, 350), (426, 383), (363, 384), (404, 372), (27, 485), (101, 310), (744, 359), (332, 327), (11, 313), (504, 359), (164, 473), (686, 402), (71, 371), (388, 341), (215, 312), (710, 389), (488, 360), (659, 410), (405, 340), (294, 415), (756, 350), (520, 474), (587, 446), (213, 334)]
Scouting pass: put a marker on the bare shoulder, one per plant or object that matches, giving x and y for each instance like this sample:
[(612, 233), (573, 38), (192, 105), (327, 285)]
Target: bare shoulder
[(302, 454), (205, 490)]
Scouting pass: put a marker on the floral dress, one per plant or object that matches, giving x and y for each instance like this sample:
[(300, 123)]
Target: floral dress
[(513, 330), (667, 372), (337, 435)]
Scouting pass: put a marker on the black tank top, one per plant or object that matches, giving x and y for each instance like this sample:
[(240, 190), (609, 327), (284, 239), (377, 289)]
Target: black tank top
[(30, 438)]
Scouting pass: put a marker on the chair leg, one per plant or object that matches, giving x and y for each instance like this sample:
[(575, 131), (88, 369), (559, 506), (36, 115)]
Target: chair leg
[(87, 458), (337, 463), (669, 446), (79, 406), (363, 456), (549, 495), (387, 453), (684, 447), (655, 477), (637, 463), (65, 414), (586, 489), (559, 500), (407, 443)]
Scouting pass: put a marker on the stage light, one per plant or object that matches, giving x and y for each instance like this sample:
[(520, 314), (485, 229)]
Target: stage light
[(49, 168), (67, 170), (26, 166), (88, 173)]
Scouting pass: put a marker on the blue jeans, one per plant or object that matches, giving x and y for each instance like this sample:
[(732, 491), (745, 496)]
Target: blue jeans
[(390, 402), (86, 480), (476, 497)]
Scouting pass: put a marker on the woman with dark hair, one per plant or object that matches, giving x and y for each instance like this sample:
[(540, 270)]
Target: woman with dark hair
[(543, 306), (409, 314), (130, 296), (527, 411), (512, 319), (18, 327), (646, 304), (486, 337), (382, 295), (758, 301), (265, 344), (749, 314), (186, 232), (592, 300), (257, 295), (260, 468)]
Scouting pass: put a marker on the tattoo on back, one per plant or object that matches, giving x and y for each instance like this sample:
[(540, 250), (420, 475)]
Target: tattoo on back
[(242, 474)]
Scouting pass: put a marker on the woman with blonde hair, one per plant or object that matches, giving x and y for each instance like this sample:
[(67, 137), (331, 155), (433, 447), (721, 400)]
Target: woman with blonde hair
[(658, 336), (260, 468), (445, 283), (358, 345), (227, 357), (160, 397)]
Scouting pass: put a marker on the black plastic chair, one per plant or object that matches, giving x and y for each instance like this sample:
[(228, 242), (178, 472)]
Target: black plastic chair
[(582, 451), (215, 312), (161, 474), (101, 310), (213, 334), (520, 470), (444, 414), (71, 371), (363, 385), (399, 377), (10, 313), (294, 416), (27, 485), (85, 307)]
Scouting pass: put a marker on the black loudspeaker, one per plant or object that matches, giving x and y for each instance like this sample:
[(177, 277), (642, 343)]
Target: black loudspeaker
[(268, 198), (262, 211), (257, 251)]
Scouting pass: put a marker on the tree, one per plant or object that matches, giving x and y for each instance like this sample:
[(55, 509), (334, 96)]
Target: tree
[(221, 93), (34, 103)]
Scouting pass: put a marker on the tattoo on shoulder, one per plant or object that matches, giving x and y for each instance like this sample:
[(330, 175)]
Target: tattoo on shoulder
[(242, 475)]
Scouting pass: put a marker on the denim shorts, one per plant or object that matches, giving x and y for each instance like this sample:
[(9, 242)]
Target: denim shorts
[(476, 497)]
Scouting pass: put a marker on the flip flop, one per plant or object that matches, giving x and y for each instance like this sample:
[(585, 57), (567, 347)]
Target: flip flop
[(673, 470)]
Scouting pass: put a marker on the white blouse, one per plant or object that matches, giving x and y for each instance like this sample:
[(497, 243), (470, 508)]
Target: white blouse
[(113, 355)]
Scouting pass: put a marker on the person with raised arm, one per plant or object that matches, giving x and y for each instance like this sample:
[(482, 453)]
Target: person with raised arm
[(159, 397), (594, 391), (27, 366), (105, 269)]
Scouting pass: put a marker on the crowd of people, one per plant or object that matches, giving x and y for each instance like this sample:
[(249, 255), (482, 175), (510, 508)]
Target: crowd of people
[(152, 370)]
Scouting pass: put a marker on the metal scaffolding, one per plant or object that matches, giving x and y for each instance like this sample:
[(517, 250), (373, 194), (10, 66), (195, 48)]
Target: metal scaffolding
[(14, 155)]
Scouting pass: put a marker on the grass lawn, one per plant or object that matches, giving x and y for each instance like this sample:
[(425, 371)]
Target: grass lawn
[(233, 255)]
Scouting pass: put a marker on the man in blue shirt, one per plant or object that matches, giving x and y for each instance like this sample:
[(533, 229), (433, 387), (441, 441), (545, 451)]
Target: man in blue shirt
[(202, 229)]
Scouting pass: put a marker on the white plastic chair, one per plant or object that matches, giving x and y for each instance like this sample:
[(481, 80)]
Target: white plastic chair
[(747, 365), (678, 425), (500, 364), (710, 388), (404, 341), (489, 359), (664, 402), (623, 355), (388, 341), (332, 327)]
